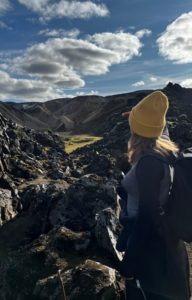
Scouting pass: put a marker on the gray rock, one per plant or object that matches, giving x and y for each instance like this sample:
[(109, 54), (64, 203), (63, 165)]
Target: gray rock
[(35, 197), (27, 146), (22, 169), (1, 167), (107, 230), (89, 280), (7, 183), (5, 148), (79, 204), (65, 239), (56, 174), (7, 211)]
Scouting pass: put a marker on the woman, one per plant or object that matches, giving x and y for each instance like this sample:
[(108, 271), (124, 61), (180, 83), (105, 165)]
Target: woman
[(155, 263)]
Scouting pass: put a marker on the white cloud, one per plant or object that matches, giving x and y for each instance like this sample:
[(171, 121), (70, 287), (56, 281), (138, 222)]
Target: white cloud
[(3, 25), (175, 43), (124, 45), (62, 63), (48, 9), (25, 89), (143, 32), (138, 83), (31, 90), (76, 57), (187, 83), (153, 79), (91, 93), (73, 33), (4, 6)]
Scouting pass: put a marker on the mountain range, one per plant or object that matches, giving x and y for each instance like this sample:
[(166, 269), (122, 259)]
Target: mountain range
[(86, 113)]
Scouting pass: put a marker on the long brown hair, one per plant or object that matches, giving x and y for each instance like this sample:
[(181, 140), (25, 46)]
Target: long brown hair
[(138, 146)]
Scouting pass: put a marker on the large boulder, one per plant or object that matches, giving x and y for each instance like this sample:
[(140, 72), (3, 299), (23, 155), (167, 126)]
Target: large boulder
[(77, 206), (38, 201), (88, 280)]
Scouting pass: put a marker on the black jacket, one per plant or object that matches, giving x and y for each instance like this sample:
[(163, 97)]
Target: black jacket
[(153, 254)]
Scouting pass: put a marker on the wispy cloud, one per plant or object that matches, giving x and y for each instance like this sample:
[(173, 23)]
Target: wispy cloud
[(91, 93), (162, 81), (4, 6), (3, 25), (187, 83), (47, 9), (175, 43), (138, 84), (73, 33), (153, 79), (143, 32)]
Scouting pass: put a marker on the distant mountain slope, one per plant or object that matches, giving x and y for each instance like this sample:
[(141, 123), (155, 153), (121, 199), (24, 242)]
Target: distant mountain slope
[(16, 114), (87, 113)]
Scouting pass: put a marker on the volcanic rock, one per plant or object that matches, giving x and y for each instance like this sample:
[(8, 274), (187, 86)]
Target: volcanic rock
[(90, 279), (65, 239), (106, 231), (77, 206), (7, 210)]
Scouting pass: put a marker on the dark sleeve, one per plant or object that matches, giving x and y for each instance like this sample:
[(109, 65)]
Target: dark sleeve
[(165, 133), (149, 173)]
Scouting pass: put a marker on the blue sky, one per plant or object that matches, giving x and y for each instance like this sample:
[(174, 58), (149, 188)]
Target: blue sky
[(62, 48)]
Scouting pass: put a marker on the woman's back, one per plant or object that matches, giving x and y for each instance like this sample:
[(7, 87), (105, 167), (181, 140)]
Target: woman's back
[(130, 183), (155, 256)]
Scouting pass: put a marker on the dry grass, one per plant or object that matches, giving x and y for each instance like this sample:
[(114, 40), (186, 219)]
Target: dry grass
[(72, 142)]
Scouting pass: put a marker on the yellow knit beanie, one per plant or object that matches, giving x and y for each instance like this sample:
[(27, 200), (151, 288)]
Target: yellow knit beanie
[(147, 118)]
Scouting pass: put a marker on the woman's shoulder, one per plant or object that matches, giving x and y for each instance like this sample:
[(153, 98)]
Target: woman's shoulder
[(155, 157), (153, 163)]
